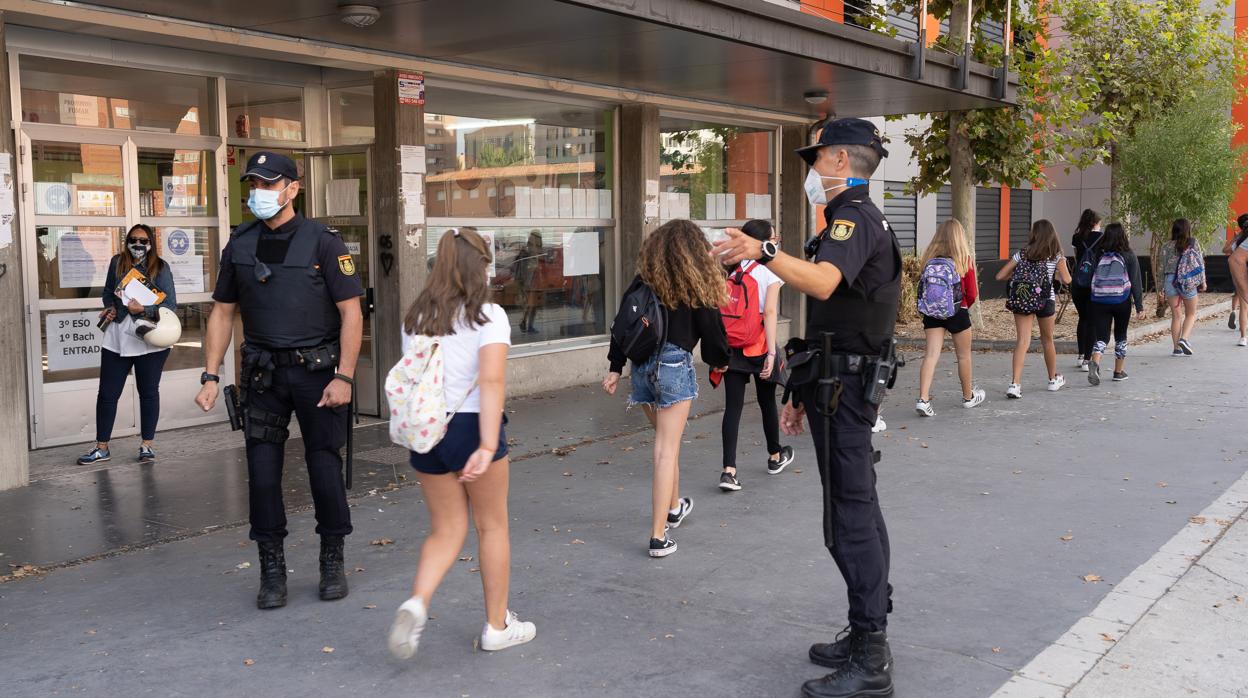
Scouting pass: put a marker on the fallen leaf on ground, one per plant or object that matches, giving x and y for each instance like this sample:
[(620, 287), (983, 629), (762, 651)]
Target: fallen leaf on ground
[(567, 473), (669, 636), (1163, 484), (382, 541), (563, 450), (248, 662), (1068, 537), (1108, 638), (604, 462), (628, 448), (922, 444), (1198, 520), (1124, 666), (996, 650), (1239, 599), (1172, 501), (359, 569), (90, 632), (327, 649), (577, 541), (1222, 522), (242, 565), (370, 606), (797, 471), (1091, 577)]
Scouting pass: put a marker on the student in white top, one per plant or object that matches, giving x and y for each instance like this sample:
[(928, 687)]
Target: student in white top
[(469, 465), (745, 364)]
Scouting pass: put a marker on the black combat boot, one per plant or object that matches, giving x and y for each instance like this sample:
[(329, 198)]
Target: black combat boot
[(272, 576), (333, 576), (834, 654), (868, 671)]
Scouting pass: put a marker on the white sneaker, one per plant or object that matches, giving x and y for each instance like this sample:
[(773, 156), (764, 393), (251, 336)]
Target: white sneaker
[(1243, 342), (1057, 383), (517, 632), (409, 623), (977, 398), (1083, 366), (880, 425), (1015, 391)]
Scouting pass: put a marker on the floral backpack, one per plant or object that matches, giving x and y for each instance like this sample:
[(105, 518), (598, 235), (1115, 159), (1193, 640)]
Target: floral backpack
[(417, 398)]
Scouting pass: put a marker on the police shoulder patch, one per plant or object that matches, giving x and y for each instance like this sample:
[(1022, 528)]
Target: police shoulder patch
[(842, 230), (346, 265)]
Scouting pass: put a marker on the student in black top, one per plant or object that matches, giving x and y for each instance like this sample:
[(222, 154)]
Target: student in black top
[(675, 264), (1088, 233), (1115, 241)]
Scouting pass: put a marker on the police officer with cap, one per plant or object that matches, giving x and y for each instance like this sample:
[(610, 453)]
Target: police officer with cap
[(296, 285), (853, 284)]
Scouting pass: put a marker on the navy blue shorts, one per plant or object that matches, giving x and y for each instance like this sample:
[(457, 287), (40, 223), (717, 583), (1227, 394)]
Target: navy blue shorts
[(463, 435)]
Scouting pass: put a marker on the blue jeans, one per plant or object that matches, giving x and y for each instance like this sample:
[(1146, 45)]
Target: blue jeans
[(113, 371), (664, 379)]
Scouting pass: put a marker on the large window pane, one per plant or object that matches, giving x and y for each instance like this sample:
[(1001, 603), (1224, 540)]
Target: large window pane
[(78, 179), (264, 112), (177, 182), (548, 279), (73, 261), (505, 157), (351, 115), (715, 172), (107, 96), (191, 253)]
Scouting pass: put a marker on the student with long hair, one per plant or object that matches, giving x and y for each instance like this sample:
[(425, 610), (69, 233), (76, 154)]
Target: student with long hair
[(122, 350), (676, 265), (949, 245), (468, 469), (1117, 313), (1238, 309), (1042, 257), (742, 367), (1180, 287), (1086, 239)]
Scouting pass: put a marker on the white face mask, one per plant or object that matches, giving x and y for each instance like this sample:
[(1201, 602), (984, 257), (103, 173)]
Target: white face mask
[(818, 194)]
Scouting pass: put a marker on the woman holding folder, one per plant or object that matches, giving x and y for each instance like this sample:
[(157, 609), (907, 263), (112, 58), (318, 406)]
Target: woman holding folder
[(138, 284)]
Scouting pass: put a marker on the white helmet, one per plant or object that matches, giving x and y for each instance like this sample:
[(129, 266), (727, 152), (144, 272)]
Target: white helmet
[(164, 332)]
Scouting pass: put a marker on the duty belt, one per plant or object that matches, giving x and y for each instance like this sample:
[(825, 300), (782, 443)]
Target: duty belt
[(851, 364), (313, 358)]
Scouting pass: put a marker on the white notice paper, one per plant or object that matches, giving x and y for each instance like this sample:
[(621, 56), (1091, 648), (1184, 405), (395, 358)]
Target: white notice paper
[(7, 208), (728, 206), (412, 159), (523, 202), (580, 254), (604, 203), (82, 258), (137, 291), (537, 203), (413, 184), (73, 340), (665, 206), (342, 197), (682, 208), (413, 209), (552, 203), (580, 203), (565, 202), (188, 272)]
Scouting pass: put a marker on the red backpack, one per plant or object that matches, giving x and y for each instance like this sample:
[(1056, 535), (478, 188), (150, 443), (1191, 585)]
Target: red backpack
[(743, 319)]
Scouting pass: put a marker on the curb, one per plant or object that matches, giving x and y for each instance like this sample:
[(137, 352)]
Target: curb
[(1068, 346)]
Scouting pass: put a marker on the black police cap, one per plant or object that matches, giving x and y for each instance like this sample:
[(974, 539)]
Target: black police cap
[(270, 167), (845, 132)]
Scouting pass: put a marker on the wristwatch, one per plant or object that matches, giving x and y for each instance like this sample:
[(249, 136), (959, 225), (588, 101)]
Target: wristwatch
[(769, 252), (206, 376)]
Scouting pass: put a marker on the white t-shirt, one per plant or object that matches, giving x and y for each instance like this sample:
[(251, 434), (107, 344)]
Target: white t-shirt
[(764, 277), (120, 339), (1051, 265), (461, 361)]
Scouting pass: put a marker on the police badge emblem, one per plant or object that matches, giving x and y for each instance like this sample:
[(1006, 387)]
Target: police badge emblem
[(346, 265), (842, 230)]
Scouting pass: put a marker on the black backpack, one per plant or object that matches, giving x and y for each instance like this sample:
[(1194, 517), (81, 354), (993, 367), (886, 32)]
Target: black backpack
[(640, 326)]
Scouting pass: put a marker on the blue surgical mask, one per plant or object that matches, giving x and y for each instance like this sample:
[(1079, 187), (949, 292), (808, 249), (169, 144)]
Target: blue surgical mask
[(818, 194), (263, 202)]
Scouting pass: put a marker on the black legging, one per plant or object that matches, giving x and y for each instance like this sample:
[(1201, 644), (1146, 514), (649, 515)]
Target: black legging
[(734, 403), (1119, 315), (1086, 332)]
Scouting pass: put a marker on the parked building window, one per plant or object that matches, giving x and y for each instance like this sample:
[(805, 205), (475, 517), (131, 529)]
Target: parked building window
[(264, 112), (351, 115)]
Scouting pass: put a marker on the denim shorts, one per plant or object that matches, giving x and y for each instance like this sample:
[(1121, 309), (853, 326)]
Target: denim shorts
[(451, 454), (664, 379), (1171, 291)]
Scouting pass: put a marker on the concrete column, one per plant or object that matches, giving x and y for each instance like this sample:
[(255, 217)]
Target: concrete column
[(925, 221), (401, 268), (639, 165), (14, 460), (795, 219)]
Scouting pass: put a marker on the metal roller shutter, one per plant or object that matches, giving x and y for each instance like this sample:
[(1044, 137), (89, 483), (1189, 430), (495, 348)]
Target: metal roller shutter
[(1020, 218), (901, 210), (987, 223)]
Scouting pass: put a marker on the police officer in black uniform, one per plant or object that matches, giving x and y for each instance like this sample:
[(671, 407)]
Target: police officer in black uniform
[(297, 287), (839, 373)]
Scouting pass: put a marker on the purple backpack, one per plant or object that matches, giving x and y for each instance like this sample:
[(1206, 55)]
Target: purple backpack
[(940, 289)]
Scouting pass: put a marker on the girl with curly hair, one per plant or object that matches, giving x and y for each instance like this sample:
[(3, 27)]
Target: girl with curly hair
[(676, 265)]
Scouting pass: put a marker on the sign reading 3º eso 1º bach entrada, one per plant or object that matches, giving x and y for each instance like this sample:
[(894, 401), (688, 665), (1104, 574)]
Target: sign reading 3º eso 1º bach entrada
[(73, 340)]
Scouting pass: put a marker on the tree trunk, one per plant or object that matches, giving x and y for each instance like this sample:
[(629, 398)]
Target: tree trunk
[(1159, 277), (961, 157)]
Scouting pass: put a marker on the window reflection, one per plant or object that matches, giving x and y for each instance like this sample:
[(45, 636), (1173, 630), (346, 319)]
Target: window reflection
[(264, 112), (715, 172), (176, 182), (78, 179)]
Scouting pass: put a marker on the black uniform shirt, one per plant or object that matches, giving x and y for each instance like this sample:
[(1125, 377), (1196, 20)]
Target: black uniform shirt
[(331, 256), (857, 243)]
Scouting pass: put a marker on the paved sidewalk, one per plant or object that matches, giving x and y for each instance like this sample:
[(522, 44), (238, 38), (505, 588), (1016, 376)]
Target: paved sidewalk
[(1010, 524)]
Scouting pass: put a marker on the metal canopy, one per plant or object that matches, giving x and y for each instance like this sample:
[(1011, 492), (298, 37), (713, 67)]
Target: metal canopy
[(746, 53)]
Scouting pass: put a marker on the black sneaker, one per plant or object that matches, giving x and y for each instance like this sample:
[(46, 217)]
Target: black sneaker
[(1120, 375), (1186, 347), (1230, 320), (775, 467), (1177, 352), (674, 520), (867, 671), (146, 454), (728, 482), (662, 547)]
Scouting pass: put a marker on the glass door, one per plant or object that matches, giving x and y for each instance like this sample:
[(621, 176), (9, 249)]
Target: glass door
[(338, 188)]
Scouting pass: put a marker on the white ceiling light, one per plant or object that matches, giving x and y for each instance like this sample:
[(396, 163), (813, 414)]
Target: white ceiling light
[(815, 97), (359, 16)]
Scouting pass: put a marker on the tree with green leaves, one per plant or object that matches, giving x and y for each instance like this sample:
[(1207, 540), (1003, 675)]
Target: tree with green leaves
[(1181, 164)]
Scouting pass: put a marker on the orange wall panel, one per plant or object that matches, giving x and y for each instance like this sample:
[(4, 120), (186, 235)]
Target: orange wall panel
[(828, 9), (1003, 230), (1239, 113)]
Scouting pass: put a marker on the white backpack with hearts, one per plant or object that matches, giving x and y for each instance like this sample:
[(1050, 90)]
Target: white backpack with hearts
[(417, 398)]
